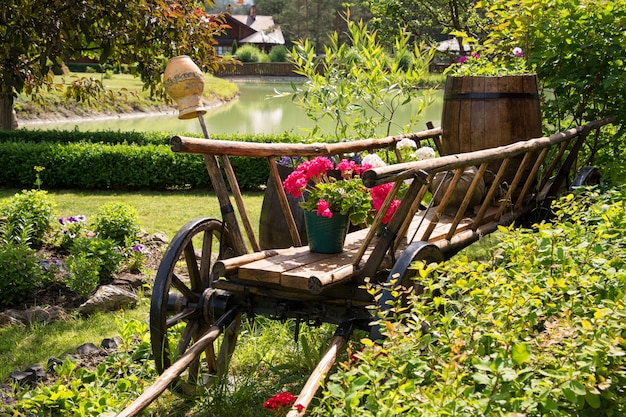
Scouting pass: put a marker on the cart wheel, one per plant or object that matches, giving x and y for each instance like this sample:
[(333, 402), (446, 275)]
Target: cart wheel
[(587, 176), (401, 276), (183, 306)]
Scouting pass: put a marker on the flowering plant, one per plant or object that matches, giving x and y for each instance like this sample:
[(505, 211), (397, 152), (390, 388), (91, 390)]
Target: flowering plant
[(281, 400), (477, 65), (327, 189)]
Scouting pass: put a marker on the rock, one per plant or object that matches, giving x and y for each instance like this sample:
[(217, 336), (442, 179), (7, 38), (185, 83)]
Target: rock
[(31, 375), (111, 342), (128, 280), (109, 298), (44, 315), (87, 349)]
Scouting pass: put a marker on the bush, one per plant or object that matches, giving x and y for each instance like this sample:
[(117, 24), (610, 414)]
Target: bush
[(21, 274), (118, 222), (278, 53), (32, 209), (249, 53), (536, 330), (92, 262)]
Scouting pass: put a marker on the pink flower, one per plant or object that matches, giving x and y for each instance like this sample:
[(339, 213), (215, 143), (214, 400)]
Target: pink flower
[(517, 51), (323, 209), (462, 59), (348, 168), (379, 194), (475, 55)]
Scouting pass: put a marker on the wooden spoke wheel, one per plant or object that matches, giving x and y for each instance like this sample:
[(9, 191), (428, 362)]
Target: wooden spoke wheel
[(401, 277), (184, 306)]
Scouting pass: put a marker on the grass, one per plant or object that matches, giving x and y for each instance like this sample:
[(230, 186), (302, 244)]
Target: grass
[(163, 212), (128, 90)]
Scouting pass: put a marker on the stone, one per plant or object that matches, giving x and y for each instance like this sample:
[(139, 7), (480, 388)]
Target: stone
[(109, 298), (111, 342), (87, 349)]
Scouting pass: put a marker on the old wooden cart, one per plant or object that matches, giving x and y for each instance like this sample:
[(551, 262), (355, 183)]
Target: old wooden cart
[(210, 276)]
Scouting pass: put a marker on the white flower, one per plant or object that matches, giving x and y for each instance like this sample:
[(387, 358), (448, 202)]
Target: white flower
[(406, 144), (373, 160), (425, 152)]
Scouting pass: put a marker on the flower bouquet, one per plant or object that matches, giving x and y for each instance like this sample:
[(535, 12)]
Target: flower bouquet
[(335, 194)]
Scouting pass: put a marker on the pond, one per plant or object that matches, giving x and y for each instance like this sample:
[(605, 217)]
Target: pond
[(255, 111)]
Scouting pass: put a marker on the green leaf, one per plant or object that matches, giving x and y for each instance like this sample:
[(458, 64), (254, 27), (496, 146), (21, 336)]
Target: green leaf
[(520, 353)]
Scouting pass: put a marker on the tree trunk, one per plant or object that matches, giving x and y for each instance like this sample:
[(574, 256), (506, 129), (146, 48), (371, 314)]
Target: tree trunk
[(8, 120)]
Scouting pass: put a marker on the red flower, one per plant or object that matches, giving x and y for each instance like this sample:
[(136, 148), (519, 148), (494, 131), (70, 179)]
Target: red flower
[(379, 194), (299, 407), (279, 400)]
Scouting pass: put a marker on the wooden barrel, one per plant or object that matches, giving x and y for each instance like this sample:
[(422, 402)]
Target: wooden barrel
[(487, 112)]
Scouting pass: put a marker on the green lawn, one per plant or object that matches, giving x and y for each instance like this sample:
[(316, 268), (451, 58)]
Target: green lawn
[(162, 212)]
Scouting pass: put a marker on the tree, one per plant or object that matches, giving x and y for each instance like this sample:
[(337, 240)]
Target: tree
[(37, 36), (312, 20), (577, 48), (426, 20), (360, 85)]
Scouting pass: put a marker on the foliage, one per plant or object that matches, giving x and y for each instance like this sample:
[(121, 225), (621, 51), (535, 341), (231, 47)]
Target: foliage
[(72, 228), (278, 53), (326, 194), (79, 391), (302, 19), (37, 36), (117, 221), (478, 65), (358, 85), (79, 161), (538, 329), (578, 49), (425, 19), (21, 273), (94, 259), (249, 53), (33, 209)]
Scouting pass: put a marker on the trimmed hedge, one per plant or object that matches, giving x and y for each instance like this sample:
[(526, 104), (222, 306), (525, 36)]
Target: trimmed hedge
[(115, 160)]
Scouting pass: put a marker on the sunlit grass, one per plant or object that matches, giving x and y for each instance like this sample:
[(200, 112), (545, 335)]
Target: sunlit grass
[(159, 212)]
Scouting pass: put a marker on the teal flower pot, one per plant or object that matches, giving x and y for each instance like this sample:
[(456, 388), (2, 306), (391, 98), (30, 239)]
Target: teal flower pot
[(326, 235)]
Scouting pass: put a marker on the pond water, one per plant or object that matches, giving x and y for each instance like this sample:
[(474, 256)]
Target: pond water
[(255, 111)]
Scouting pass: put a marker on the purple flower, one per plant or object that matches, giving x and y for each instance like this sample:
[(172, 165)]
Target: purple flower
[(463, 59), (475, 55), (517, 51), (62, 221), (140, 248)]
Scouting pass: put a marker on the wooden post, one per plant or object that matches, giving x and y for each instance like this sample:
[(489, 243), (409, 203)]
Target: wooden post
[(321, 370)]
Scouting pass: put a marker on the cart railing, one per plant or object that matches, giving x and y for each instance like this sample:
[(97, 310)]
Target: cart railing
[(218, 151), (446, 215)]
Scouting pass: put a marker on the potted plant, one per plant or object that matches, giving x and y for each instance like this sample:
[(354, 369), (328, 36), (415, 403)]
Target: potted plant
[(332, 196)]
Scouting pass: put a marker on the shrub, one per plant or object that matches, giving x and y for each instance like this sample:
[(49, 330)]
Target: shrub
[(249, 53), (537, 330), (20, 274), (92, 261), (278, 53), (33, 209), (118, 222)]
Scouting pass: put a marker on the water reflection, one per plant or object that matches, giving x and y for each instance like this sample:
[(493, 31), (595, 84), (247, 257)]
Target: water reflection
[(254, 111)]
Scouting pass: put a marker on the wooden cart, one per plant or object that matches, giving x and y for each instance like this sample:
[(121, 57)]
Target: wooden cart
[(211, 275)]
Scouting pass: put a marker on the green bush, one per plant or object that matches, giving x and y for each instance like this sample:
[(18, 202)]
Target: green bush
[(278, 53), (33, 209), (117, 221), (92, 261), (537, 329), (21, 274), (249, 53), (118, 160)]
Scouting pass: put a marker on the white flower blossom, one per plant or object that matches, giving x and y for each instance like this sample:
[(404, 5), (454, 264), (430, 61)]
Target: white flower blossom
[(374, 160), (424, 153), (406, 144)]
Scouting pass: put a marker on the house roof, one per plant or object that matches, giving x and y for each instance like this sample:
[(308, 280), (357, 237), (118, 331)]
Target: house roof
[(266, 31)]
